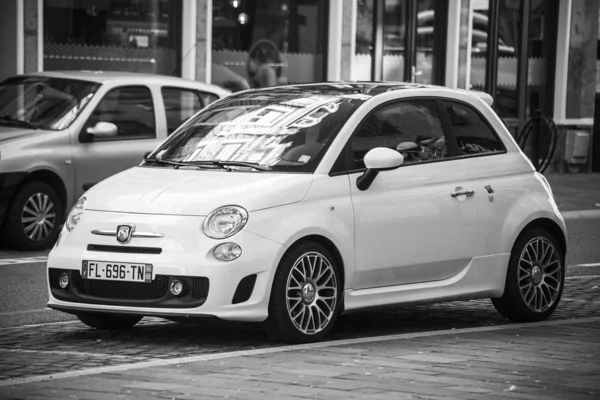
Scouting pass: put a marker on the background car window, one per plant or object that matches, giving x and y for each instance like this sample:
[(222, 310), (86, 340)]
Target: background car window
[(411, 127), (130, 109), (473, 134), (181, 104)]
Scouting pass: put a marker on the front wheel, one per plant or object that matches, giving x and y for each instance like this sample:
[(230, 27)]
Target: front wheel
[(535, 278), (34, 217), (109, 321), (305, 298)]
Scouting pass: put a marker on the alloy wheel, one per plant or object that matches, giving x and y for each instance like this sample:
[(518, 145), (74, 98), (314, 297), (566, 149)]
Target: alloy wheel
[(311, 293), (38, 217), (539, 274)]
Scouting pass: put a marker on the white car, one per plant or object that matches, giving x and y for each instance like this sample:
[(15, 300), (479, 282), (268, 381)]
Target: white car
[(293, 204)]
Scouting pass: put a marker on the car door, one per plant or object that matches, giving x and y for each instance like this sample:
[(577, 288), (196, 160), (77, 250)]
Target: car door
[(181, 103), (416, 223), (492, 171), (132, 110)]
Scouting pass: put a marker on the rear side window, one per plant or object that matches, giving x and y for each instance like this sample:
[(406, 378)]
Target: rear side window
[(473, 134), (181, 104)]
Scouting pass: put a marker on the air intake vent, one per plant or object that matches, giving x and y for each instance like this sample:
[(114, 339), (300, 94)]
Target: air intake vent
[(244, 289), (124, 249)]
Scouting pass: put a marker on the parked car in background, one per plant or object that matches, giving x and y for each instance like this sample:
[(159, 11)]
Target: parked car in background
[(63, 132), (293, 204)]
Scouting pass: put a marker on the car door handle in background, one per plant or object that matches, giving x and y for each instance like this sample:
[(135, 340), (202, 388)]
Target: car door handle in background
[(462, 192)]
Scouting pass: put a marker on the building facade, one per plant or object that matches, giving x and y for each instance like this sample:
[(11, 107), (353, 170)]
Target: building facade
[(536, 57)]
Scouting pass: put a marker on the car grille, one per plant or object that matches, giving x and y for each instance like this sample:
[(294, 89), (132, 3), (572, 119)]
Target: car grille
[(124, 249), (155, 290), (134, 294)]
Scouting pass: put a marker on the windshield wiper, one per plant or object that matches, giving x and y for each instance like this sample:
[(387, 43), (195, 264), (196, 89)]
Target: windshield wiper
[(165, 162), (201, 163), (224, 164), (17, 122)]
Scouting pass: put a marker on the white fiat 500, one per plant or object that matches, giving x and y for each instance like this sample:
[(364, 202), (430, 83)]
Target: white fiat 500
[(291, 205)]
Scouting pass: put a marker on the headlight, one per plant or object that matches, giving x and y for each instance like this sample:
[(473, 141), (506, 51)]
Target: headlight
[(75, 214), (225, 221)]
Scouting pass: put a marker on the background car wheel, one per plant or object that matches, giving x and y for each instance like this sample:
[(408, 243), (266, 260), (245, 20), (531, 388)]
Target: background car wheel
[(306, 295), (109, 321), (34, 217), (535, 278)]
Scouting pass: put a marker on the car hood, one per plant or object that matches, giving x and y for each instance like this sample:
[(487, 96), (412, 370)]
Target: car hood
[(10, 133), (168, 191)]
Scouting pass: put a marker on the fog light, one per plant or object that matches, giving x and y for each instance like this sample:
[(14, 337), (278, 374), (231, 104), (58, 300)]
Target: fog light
[(227, 251), (63, 281), (176, 287)]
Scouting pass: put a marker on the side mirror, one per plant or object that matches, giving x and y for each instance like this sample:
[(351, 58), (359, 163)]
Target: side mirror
[(102, 130), (377, 160)]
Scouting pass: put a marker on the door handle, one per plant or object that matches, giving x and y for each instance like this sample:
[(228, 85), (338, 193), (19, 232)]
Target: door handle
[(462, 192)]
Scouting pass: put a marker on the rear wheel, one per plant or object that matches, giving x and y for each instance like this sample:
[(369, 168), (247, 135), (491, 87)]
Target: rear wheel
[(109, 321), (34, 217), (535, 278), (305, 298)]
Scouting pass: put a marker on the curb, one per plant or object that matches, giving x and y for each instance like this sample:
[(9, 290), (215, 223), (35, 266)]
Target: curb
[(583, 269), (581, 214)]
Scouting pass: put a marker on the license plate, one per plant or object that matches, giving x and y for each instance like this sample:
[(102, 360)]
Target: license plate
[(116, 271)]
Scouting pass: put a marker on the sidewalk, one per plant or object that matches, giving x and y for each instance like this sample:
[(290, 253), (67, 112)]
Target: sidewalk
[(575, 191), (550, 360)]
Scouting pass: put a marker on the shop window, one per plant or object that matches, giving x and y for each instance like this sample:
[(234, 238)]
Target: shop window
[(261, 43), (412, 128), (473, 134), (131, 109), (113, 35)]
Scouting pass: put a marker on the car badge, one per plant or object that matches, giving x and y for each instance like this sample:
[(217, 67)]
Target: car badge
[(124, 233), (490, 192)]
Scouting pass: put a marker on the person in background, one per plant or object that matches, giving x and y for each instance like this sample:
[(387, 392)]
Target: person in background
[(265, 66)]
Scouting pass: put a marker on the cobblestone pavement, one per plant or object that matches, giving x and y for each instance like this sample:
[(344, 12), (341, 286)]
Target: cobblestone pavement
[(29, 353)]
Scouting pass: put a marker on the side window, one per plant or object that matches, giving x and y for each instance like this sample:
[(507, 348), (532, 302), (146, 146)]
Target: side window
[(180, 104), (208, 98), (411, 127), (131, 109), (473, 134)]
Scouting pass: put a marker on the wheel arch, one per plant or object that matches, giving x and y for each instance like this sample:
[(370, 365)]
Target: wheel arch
[(549, 225), (52, 179), (331, 247)]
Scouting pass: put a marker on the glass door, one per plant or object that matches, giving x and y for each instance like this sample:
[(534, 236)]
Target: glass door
[(401, 40)]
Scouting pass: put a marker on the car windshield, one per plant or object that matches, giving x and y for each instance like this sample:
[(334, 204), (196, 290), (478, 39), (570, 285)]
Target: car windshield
[(43, 103), (280, 129)]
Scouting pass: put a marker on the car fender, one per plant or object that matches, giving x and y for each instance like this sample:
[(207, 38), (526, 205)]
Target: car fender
[(326, 212), (522, 213)]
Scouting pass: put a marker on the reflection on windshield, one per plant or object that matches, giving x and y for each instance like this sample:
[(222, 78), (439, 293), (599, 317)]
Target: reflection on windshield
[(40, 102), (283, 130)]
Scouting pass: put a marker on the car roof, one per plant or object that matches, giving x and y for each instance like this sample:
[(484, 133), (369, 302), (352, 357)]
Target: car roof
[(130, 77), (369, 88)]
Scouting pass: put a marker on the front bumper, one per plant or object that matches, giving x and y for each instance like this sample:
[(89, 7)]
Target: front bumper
[(237, 290)]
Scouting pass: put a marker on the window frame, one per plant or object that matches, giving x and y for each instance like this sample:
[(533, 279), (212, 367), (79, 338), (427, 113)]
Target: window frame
[(117, 138), (195, 92), (340, 166), (482, 118)]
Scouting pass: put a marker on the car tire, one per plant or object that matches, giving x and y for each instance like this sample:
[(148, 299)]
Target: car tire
[(109, 321), (25, 226), (305, 296), (535, 278)]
